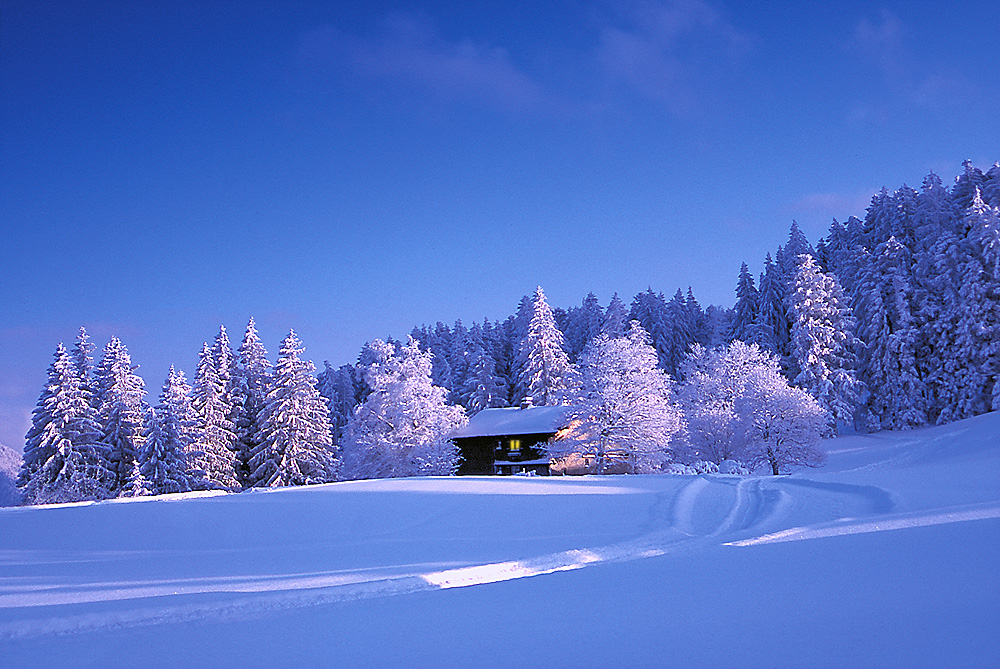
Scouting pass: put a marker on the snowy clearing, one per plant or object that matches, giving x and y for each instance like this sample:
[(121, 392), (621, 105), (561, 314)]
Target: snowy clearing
[(886, 556)]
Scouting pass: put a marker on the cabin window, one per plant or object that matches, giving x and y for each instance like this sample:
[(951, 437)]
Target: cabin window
[(514, 445)]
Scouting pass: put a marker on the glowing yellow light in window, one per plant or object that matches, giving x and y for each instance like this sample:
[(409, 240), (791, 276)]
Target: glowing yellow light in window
[(515, 445)]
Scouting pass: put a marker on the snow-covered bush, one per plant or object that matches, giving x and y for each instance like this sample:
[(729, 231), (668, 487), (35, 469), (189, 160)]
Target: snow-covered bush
[(713, 381), (779, 426)]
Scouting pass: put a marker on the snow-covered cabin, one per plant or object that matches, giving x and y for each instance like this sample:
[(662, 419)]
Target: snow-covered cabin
[(509, 440)]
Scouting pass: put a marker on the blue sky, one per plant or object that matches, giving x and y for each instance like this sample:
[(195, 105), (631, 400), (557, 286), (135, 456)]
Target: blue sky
[(354, 169)]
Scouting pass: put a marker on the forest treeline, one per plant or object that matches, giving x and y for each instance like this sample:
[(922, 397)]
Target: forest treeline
[(890, 321)]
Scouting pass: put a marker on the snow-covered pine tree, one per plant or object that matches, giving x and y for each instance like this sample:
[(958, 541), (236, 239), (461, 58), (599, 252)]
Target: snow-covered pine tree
[(585, 324), (615, 318), (214, 451), (64, 458), (82, 350), (137, 485), (747, 308), (966, 185), (772, 327), (169, 435), (823, 342), (625, 413), (977, 358), (898, 394), (936, 234), (788, 256), (121, 409), (650, 309), (296, 446), (547, 376), (779, 426), (484, 389), (403, 426), (991, 186), (252, 379), (682, 324)]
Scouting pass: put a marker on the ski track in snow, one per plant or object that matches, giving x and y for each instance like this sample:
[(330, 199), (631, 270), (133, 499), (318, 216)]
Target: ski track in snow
[(707, 511)]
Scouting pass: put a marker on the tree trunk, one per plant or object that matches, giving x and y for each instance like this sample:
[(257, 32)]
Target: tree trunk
[(772, 460)]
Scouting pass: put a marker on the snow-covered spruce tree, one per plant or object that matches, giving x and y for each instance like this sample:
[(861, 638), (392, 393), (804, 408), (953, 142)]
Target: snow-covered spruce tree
[(898, 394), (252, 379), (137, 485), (747, 307), (296, 447), (823, 342), (650, 309), (771, 330), (121, 409), (625, 415), (64, 458), (547, 376), (584, 324), (713, 382), (615, 318), (780, 427), (977, 360), (214, 450), (403, 426), (337, 387), (84, 363), (169, 436), (484, 389)]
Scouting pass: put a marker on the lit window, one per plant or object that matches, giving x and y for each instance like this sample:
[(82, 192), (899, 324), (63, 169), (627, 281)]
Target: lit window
[(515, 445)]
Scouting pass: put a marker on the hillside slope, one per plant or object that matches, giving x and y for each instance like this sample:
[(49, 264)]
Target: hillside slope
[(886, 556)]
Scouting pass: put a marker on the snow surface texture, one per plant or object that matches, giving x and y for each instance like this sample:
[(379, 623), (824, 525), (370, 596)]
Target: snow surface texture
[(887, 556)]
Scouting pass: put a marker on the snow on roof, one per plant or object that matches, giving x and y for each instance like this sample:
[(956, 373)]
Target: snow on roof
[(514, 420)]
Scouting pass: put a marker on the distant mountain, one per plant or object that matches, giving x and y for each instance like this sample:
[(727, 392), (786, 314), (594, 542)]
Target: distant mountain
[(10, 463)]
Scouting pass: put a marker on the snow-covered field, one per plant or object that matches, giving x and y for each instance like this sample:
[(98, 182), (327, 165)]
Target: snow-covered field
[(887, 556)]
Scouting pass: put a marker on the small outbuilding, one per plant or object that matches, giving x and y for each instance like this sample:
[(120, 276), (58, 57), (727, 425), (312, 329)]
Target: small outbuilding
[(509, 440)]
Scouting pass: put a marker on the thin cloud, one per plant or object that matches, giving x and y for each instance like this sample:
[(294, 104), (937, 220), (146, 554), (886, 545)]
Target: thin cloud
[(409, 49), (882, 44), (831, 205), (665, 50)]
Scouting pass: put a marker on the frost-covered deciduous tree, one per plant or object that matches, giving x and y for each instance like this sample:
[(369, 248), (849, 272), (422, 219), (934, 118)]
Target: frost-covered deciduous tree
[(169, 435), (403, 426), (780, 426), (64, 458), (121, 409), (823, 342), (547, 376), (713, 382), (296, 446), (214, 451), (625, 414)]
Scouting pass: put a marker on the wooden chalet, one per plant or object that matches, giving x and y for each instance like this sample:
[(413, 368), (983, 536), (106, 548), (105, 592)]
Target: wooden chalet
[(509, 440)]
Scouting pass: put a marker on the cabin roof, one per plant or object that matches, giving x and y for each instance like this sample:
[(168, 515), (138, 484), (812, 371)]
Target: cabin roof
[(514, 420)]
